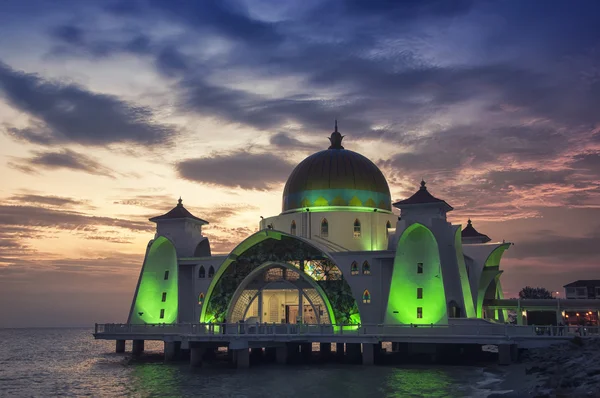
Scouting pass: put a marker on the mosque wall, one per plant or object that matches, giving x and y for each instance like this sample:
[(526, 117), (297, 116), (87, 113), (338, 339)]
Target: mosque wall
[(339, 235), (185, 235)]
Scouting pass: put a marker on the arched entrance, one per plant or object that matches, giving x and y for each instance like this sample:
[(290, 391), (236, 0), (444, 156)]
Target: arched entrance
[(280, 293), (269, 246)]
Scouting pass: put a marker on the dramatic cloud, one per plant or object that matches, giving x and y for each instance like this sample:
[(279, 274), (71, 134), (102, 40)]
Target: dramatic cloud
[(238, 169), (64, 113), (50, 200), (65, 159)]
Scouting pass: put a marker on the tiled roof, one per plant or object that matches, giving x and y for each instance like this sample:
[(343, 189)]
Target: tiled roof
[(177, 212), (422, 196), (471, 232)]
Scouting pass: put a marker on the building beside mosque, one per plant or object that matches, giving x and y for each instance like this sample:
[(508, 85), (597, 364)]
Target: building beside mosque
[(335, 254)]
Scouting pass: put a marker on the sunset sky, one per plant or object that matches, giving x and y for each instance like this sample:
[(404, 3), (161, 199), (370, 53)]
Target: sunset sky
[(111, 110)]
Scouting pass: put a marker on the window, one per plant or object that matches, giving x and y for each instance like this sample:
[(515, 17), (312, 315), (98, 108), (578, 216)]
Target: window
[(164, 297), (211, 271), (419, 312), (419, 268), (324, 228), (570, 292), (419, 292), (597, 292), (293, 228), (366, 268), (201, 272), (201, 298), (366, 297), (388, 225), (162, 313), (166, 275), (582, 292), (354, 268), (356, 228)]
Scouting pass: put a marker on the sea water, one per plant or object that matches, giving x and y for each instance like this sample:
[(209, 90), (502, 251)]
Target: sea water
[(69, 362)]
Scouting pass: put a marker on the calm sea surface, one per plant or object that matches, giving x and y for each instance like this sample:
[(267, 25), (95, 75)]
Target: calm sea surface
[(69, 362)]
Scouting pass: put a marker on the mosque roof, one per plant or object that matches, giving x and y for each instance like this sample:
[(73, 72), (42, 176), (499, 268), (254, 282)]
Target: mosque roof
[(336, 177), (422, 196), (178, 212), (471, 232), (590, 283)]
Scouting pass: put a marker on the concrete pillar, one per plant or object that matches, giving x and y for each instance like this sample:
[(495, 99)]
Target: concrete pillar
[(137, 347), (196, 353), (514, 352), (281, 354), (368, 354), (120, 347), (325, 349), (242, 358), (504, 354), (172, 350), (270, 354)]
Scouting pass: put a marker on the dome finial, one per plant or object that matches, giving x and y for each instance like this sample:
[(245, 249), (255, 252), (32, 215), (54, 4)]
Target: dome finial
[(469, 221), (179, 202), (336, 138), (423, 187)]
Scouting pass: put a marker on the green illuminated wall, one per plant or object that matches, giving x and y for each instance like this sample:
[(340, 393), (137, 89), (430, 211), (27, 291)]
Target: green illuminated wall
[(416, 245), (148, 300), (464, 278)]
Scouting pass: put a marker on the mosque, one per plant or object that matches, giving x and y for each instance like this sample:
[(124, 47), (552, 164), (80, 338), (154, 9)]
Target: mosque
[(336, 254)]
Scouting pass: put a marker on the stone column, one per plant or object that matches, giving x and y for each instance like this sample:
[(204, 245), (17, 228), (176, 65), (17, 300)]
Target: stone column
[(368, 354), (137, 347), (196, 353), (242, 358), (281, 354), (504, 354), (120, 348)]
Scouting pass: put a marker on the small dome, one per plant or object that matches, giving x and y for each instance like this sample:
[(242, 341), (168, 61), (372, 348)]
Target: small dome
[(336, 177)]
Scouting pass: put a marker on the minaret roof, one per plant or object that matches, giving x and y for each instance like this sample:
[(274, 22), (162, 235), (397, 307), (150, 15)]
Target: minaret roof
[(422, 196), (178, 212), (471, 232)]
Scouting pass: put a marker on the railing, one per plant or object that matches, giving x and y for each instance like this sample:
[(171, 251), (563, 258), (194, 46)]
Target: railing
[(243, 329)]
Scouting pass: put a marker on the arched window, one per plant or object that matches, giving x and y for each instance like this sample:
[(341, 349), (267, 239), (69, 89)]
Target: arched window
[(324, 228), (211, 272), (356, 228), (366, 268), (354, 268), (366, 297), (201, 298), (201, 272), (293, 228), (388, 225)]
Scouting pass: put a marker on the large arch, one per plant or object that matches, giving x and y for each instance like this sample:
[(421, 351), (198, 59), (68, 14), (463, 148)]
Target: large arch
[(417, 265), (158, 279), (266, 266), (276, 246)]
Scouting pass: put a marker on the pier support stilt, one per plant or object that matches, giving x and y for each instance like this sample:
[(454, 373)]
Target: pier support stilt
[(196, 354), (504, 354), (120, 347), (339, 350), (324, 351), (281, 354), (306, 351), (171, 350), (137, 347), (354, 354), (242, 358), (368, 354)]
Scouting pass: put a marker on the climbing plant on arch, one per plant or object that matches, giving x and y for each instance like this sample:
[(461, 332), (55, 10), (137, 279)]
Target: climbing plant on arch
[(274, 246)]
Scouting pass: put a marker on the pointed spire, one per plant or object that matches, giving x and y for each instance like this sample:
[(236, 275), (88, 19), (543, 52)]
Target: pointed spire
[(336, 138)]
